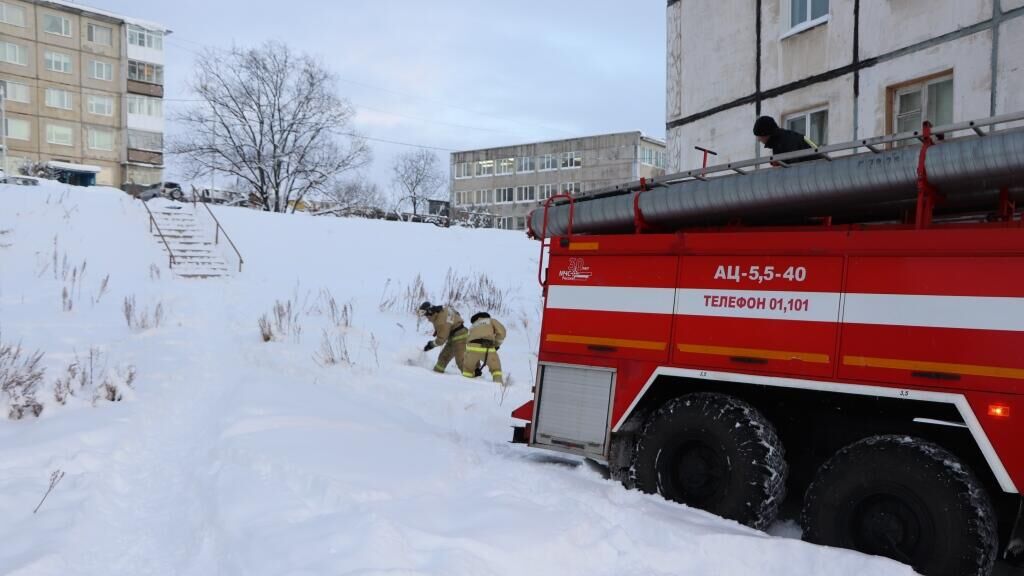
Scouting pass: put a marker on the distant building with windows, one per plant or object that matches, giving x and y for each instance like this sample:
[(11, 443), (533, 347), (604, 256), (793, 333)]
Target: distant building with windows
[(82, 88), (510, 181), (835, 70)]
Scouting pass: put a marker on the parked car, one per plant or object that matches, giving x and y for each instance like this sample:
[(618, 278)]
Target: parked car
[(170, 190), (22, 180)]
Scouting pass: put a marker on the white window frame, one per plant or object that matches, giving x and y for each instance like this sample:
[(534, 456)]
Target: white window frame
[(806, 115), (20, 54), (100, 70), (90, 34), (571, 188), (463, 170), (24, 91), (921, 87), (93, 132), (524, 164), (484, 168), (145, 106), (20, 121), (143, 38), (526, 193), (6, 8), (59, 99), (51, 58), (570, 160), (789, 29), (504, 166), (545, 191), (504, 195), (547, 162), (51, 138), (65, 25), (139, 65), (93, 107)]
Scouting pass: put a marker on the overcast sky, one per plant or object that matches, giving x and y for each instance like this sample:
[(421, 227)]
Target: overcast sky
[(448, 74)]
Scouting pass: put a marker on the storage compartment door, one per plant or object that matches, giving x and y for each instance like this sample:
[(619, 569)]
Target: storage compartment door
[(573, 410)]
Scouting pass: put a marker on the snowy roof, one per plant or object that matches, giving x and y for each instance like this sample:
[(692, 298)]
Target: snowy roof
[(73, 167), (127, 19)]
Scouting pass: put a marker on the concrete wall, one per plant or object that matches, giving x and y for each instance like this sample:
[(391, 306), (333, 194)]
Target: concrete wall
[(898, 44)]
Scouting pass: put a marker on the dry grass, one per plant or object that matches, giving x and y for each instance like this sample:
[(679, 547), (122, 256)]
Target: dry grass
[(333, 350), (140, 319), (90, 378), (281, 323), (21, 373), (468, 293)]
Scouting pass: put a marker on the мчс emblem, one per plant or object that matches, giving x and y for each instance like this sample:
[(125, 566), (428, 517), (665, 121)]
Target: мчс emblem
[(577, 271)]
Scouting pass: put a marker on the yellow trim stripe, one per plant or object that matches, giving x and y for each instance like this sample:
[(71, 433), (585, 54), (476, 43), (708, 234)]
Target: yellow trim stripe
[(965, 369), (615, 342), (755, 353), (584, 245)]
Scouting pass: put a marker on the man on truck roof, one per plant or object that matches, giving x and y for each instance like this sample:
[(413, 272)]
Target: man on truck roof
[(780, 140)]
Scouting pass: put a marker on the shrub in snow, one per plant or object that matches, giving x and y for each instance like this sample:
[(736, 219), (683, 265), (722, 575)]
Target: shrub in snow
[(89, 378), (20, 376), (333, 350), (141, 319), (282, 322), (326, 305)]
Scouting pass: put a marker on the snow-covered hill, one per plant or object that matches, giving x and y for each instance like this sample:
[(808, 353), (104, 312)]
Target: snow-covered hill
[(230, 455)]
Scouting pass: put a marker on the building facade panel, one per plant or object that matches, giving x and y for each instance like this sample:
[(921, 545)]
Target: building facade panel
[(794, 52), (727, 133), (1010, 68), (888, 26), (18, 57), (57, 28), (21, 23)]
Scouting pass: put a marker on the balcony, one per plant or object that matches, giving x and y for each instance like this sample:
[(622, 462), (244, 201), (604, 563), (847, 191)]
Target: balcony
[(145, 89)]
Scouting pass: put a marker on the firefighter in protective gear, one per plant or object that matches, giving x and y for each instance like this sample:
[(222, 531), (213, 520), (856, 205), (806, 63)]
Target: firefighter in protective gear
[(485, 337), (449, 332)]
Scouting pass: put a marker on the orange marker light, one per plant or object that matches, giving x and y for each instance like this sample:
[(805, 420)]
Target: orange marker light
[(999, 410)]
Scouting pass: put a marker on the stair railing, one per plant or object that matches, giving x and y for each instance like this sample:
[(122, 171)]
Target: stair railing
[(219, 230), (153, 225)]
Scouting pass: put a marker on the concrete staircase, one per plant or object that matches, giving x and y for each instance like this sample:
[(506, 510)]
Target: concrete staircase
[(195, 254)]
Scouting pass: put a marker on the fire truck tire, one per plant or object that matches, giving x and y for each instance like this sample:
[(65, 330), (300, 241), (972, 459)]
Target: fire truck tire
[(907, 499), (713, 452)]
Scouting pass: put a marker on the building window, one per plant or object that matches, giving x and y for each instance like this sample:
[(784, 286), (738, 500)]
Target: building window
[(100, 34), (503, 222), (545, 191), (144, 72), (485, 168), (15, 54), (101, 139), (150, 141), (571, 160), (58, 62), (520, 223), (812, 124), (524, 164), (930, 100), (463, 170), (54, 24), (526, 194), (506, 166), (548, 162), (806, 13), (57, 98), (143, 38), (11, 14), (101, 70), (100, 105), (16, 92), (652, 156), (145, 106), (571, 188), (59, 135), (504, 195), (485, 196), (17, 129)]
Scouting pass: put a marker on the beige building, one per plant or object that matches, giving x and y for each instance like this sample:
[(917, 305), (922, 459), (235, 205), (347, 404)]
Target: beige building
[(836, 70), (82, 87), (510, 181)]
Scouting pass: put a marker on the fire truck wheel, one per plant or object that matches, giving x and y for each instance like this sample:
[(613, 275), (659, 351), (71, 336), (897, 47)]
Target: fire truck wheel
[(907, 499), (713, 452)]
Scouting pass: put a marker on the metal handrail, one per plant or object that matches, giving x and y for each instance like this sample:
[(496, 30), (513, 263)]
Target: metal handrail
[(152, 224), (874, 145), (218, 230)]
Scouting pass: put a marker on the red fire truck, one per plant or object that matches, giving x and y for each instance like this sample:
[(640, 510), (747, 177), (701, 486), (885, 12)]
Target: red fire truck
[(845, 335)]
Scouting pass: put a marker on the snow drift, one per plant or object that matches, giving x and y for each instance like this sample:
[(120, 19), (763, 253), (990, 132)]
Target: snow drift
[(226, 454)]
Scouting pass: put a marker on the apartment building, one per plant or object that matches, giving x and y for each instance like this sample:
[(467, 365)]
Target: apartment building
[(510, 181), (835, 70), (82, 88)]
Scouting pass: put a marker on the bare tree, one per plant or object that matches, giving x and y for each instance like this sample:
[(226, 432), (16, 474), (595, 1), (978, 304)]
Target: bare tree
[(270, 118), (417, 177), (356, 194)]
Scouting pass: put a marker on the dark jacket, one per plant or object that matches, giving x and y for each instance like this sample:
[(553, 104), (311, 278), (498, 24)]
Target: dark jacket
[(782, 141)]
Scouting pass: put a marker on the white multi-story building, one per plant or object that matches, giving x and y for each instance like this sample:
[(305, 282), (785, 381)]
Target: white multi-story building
[(836, 70), (83, 87)]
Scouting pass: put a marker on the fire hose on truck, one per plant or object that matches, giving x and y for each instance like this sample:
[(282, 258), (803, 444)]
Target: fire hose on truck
[(844, 335)]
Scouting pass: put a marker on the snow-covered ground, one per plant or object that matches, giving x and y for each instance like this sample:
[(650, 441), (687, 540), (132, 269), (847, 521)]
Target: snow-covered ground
[(229, 455)]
